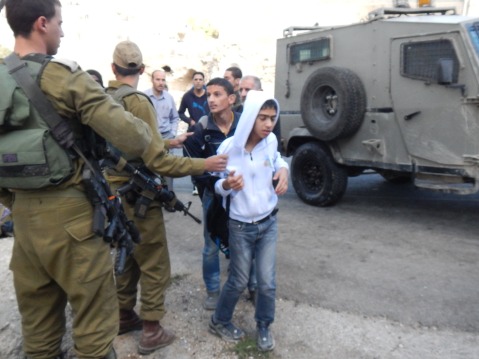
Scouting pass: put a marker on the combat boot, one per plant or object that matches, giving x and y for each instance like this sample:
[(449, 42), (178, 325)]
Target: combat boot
[(129, 321), (153, 337)]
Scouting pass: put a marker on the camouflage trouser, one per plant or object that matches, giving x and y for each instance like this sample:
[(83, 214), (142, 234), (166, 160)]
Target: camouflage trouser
[(149, 265), (56, 258)]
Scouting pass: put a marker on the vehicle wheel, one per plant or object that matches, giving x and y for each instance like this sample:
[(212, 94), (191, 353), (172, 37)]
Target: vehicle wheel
[(396, 177), (333, 103), (317, 179)]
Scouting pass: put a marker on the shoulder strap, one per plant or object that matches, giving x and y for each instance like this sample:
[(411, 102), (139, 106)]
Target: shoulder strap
[(123, 91), (59, 127), (61, 132)]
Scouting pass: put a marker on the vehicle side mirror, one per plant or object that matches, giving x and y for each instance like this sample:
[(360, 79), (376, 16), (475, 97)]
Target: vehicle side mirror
[(445, 70)]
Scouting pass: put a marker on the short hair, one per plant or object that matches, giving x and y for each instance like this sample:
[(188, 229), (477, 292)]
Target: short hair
[(155, 71), (22, 14), (235, 71), (97, 75), (219, 81), (256, 81), (198, 73), (270, 104), (126, 72)]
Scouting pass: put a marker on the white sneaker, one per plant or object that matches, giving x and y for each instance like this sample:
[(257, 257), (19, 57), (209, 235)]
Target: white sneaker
[(195, 191)]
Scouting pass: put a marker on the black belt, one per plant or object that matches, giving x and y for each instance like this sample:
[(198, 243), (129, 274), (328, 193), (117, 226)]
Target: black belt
[(262, 220)]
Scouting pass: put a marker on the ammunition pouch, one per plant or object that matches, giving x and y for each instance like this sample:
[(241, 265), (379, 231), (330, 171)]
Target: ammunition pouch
[(33, 159)]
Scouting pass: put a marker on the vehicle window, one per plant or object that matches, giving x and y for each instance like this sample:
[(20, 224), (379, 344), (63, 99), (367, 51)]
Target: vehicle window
[(310, 51), (473, 31), (419, 60)]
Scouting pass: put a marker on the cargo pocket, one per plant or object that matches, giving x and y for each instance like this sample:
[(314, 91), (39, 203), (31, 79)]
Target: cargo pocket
[(91, 254)]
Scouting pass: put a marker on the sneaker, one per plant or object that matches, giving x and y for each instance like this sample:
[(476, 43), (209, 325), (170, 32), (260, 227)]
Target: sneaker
[(211, 300), (227, 332), (195, 191), (264, 340)]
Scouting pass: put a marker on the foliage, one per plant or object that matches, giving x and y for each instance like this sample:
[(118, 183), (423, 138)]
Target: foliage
[(247, 349)]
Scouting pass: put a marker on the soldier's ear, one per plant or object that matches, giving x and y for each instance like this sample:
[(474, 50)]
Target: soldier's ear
[(40, 24)]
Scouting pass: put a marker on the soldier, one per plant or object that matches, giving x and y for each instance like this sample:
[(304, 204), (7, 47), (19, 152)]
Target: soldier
[(150, 264), (56, 257)]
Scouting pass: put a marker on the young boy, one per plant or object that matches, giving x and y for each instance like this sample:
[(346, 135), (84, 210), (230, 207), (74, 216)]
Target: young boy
[(253, 166)]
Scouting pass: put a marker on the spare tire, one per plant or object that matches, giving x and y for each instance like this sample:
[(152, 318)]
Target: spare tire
[(333, 103)]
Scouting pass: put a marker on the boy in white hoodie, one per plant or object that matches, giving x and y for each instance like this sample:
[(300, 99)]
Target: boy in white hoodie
[(254, 164)]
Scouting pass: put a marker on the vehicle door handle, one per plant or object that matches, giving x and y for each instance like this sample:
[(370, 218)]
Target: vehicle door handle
[(411, 115)]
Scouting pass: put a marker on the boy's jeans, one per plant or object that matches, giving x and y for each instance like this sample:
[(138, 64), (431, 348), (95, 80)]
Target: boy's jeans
[(250, 242), (211, 261)]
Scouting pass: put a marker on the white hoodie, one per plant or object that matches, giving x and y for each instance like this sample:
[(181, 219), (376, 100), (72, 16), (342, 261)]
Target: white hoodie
[(257, 199)]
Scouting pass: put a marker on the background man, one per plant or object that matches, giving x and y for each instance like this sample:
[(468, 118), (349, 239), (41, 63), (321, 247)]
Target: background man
[(194, 101), (166, 114), (233, 75), (247, 83)]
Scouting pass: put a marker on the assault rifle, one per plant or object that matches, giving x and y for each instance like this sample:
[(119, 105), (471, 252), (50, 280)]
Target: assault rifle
[(120, 232), (145, 187)]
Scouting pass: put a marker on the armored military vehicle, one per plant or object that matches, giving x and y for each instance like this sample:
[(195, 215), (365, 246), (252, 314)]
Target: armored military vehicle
[(397, 94)]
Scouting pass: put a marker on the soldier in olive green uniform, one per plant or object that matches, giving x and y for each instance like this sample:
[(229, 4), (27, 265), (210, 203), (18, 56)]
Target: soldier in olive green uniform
[(56, 257), (150, 263)]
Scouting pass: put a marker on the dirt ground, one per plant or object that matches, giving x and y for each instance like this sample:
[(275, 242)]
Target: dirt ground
[(302, 331)]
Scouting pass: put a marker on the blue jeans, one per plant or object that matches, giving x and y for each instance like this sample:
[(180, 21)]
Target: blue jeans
[(211, 260), (250, 242)]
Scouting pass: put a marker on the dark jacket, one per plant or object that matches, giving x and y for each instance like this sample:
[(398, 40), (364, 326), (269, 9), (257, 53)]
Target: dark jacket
[(204, 143)]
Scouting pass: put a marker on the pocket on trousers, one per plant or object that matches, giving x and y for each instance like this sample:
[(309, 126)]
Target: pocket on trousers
[(91, 254)]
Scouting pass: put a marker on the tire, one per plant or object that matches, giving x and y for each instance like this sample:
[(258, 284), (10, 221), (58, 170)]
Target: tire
[(333, 103), (317, 179)]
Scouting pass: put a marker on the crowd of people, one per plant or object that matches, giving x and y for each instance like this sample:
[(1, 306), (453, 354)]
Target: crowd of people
[(230, 151)]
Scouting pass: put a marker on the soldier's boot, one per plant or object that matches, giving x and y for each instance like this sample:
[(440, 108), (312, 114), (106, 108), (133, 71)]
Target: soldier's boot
[(129, 321), (153, 337)]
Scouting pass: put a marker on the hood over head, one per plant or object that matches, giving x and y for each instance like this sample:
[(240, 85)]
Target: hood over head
[(252, 105)]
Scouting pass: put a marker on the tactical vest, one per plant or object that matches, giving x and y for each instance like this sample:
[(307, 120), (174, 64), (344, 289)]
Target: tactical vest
[(119, 94), (30, 158)]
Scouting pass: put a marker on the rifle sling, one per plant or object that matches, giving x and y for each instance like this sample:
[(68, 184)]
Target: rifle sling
[(18, 69)]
